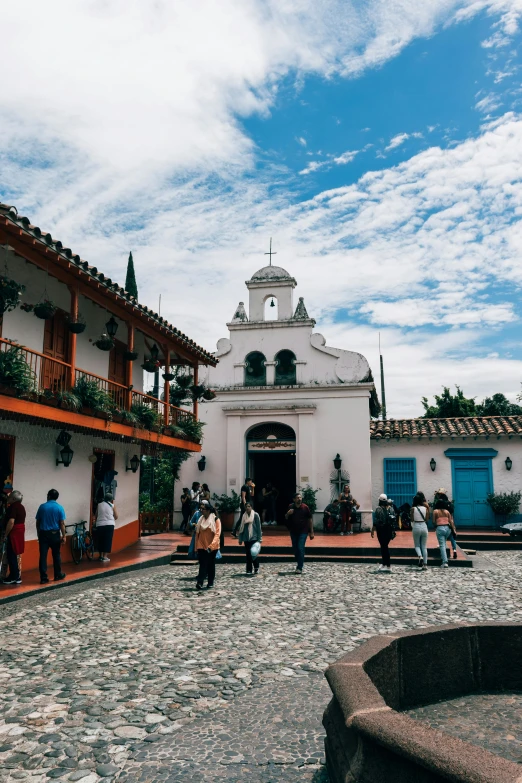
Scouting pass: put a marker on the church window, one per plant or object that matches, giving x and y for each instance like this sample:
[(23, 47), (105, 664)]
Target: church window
[(285, 368), (400, 480), (255, 370)]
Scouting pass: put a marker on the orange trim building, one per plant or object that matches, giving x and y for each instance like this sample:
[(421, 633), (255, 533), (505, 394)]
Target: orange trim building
[(56, 341)]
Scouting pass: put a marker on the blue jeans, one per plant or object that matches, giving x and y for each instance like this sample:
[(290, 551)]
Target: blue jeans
[(298, 546), (443, 532)]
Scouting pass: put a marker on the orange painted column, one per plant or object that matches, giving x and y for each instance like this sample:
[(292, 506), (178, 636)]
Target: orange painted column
[(72, 339), (196, 380), (128, 368), (166, 392)]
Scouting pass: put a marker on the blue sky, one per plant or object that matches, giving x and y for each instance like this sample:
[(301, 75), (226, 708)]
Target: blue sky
[(379, 144)]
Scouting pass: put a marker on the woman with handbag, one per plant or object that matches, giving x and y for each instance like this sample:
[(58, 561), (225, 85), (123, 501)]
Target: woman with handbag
[(250, 534), (419, 514), (383, 525), (208, 531)]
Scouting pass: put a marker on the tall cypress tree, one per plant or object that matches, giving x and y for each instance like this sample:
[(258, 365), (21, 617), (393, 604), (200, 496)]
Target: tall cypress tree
[(130, 280)]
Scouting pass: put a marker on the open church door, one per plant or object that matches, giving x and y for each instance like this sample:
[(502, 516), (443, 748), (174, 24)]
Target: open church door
[(271, 459)]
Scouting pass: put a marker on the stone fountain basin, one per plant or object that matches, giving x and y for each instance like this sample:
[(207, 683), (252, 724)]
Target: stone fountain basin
[(368, 737)]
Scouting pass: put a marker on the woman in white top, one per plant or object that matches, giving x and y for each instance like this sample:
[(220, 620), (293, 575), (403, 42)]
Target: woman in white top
[(106, 516), (419, 514)]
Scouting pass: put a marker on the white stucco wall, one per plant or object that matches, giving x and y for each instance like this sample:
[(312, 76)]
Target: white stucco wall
[(429, 481), (35, 472)]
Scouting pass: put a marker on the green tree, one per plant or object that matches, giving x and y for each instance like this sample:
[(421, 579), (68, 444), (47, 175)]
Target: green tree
[(498, 405), (448, 405), (157, 478), (130, 280)]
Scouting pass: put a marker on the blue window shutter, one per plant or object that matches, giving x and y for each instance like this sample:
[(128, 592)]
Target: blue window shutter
[(400, 479)]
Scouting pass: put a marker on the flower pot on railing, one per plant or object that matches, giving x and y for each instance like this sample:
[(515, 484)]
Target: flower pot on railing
[(45, 309), (10, 293), (104, 343), (130, 356)]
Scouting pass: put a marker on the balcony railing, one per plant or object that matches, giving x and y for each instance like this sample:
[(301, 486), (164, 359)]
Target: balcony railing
[(53, 375)]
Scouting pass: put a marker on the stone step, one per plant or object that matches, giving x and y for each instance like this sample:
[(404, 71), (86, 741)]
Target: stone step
[(323, 551), (312, 557)]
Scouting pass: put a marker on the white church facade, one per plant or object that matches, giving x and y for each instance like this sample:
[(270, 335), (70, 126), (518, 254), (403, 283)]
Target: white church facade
[(287, 403)]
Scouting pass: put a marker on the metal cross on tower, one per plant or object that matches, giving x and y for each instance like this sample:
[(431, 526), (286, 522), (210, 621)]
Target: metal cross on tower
[(271, 252)]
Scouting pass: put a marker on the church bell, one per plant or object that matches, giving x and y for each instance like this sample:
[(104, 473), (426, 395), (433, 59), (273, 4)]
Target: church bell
[(272, 303)]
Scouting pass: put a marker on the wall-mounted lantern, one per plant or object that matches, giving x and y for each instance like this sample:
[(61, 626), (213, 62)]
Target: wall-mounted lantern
[(508, 463), (63, 438), (66, 455), (202, 463), (337, 462), (134, 464), (433, 464), (111, 327)]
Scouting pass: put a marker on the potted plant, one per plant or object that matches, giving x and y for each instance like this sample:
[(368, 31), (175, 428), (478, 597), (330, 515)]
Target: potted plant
[(191, 429), (45, 309), (92, 398), (146, 416), (130, 356), (150, 365), (10, 293), (504, 505), (66, 399), (209, 394), (184, 381), (197, 391), (76, 325), (309, 497), (104, 343), (26, 307), (16, 376), (227, 506), (168, 376)]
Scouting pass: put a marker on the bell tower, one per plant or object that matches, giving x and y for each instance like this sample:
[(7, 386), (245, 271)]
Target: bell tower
[(271, 281)]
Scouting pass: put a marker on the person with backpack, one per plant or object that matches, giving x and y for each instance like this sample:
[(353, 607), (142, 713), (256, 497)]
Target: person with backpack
[(419, 514), (383, 525)]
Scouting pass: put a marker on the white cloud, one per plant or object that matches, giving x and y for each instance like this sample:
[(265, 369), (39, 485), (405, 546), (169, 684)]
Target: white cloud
[(301, 140), (397, 140)]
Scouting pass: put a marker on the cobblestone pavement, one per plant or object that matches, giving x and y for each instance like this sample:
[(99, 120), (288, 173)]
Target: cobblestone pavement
[(492, 721), (139, 677)]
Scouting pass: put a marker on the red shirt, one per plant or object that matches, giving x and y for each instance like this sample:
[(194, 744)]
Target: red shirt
[(299, 521), (17, 535)]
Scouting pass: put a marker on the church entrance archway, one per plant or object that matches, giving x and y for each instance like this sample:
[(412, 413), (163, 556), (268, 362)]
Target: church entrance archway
[(271, 458)]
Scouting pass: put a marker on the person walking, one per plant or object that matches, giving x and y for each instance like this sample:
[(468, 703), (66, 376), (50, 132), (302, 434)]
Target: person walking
[(300, 523), (347, 503), (383, 526), (50, 527), (195, 496), (419, 514), (270, 494), (248, 534), (106, 516), (441, 494), (443, 522), (208, 531), (247, 496), (185, 509), (15, 537)]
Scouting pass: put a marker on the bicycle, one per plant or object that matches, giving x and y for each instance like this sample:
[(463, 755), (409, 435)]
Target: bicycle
[(81, 541)]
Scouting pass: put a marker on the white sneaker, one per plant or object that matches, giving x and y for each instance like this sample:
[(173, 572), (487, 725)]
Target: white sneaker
[(341, 534), (380, 569), (444, 565), (387, 569), (350, 533), (105, 560)]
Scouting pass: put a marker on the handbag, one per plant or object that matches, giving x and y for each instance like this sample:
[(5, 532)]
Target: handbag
[(255, 549), (219, 556)]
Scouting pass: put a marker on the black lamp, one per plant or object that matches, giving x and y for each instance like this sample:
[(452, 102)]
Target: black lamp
[(66, 455), (433, 464), (337, 462), (111, 326), (202, 463), (154, 353), (134, 464), (63, 438), (508, 463)]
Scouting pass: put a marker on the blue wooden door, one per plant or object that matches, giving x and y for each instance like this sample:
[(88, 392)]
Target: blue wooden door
[(472, 485)]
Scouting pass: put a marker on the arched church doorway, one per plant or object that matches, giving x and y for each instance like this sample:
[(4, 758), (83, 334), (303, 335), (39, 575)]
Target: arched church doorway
[(271, 459)]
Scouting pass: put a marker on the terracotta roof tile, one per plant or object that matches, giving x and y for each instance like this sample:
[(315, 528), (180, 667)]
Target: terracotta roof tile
[(11, 214), (474, 427)]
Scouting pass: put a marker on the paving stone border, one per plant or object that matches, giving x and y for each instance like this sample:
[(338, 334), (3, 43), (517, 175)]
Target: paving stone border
[(368, 739)]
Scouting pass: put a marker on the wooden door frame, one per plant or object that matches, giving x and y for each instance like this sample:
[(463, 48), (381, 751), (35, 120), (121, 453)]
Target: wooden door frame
[(97, 451)]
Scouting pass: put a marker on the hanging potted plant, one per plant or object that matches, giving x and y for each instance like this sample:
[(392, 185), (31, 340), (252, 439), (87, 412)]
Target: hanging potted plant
[(76, 325), (26, 307), (168, 376), (208, 394), (10, 293), (150, 365), (104, 343), (197, 391), (184, 381), (130, 356), (45, 309)]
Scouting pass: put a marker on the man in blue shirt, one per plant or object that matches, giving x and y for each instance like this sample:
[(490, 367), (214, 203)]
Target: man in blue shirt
[(50, 526)]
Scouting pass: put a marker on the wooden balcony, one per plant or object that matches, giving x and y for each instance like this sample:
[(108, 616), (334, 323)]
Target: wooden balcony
[(47, 380)]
